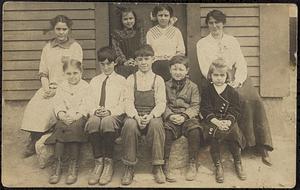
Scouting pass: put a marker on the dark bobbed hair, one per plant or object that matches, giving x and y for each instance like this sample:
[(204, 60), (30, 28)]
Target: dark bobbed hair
[(218, 64), (121, 11), (106, 53), (216, 14), (179, 59), (144, 50), (73, 62), (162, 7), (57, 19)]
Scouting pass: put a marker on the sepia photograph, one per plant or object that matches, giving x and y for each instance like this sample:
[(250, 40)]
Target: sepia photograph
[(149, 95)]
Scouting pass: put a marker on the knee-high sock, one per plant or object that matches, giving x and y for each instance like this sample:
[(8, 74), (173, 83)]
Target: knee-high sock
[(109, 141), (97, 144), (168, 143), (193, 137)]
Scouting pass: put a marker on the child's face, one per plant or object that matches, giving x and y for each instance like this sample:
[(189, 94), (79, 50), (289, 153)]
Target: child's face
[(163, 18), (128, 20), (144, 63), (107, 67), (178, 71), (61, 31), (219, 76), (73, 74)]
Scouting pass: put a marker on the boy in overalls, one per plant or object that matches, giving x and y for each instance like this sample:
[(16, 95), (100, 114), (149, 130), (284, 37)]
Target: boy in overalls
[(145, 103)]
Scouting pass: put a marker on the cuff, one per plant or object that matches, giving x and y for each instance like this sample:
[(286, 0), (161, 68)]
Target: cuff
[(210, 116), (186, 116), (231, 118), (41, 74)]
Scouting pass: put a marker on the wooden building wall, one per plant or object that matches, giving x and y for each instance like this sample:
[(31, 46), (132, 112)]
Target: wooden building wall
[(23, 40)]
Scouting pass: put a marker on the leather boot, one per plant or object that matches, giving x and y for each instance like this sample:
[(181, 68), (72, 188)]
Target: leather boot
[(168, 172), (159, 175), (219, 172), (236, 154), (55, 177), (216, 157), (72, 172), (95, 175), (107, 173), (192, 170), (265, 157), (128, 175)]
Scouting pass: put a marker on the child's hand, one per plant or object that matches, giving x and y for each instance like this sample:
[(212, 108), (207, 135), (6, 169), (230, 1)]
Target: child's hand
[(139, 121), (220, 124), (177, 119), (146, 119), (49, 93), (226, 122)]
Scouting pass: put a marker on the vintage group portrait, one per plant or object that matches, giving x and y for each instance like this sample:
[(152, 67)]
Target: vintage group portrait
[(111, 94)]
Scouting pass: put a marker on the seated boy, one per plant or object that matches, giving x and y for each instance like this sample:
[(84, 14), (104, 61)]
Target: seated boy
[(145, 103), (106, 104), (181, 115)]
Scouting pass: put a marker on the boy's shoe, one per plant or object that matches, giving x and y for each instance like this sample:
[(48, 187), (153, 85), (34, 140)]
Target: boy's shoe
[(95, 175), (128, 175), (191, 171), (159, 175), (168, 172), (239, 170), (107, 172), (219, 172), (72, 172), (55, 177)]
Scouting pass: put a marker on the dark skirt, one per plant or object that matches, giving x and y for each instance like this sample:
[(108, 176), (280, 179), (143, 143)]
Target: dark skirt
[(233, 134), (179, 130), (125, 71), (161, 68), (72, 133), (253, 121)]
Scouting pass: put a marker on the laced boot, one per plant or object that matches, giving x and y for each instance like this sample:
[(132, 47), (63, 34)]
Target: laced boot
[(55, 177), (168, 172), (236, 154), (107, 173), (266, 159), (192, 170), (95, 175), (216, 157), (128, 175), (72, 172), (159, 175)]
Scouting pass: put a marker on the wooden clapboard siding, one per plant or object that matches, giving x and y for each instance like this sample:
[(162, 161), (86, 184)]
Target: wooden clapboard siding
[(23, 40), (242, 22)]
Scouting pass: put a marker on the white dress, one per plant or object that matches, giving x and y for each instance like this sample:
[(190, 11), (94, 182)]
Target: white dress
[(39, 114)]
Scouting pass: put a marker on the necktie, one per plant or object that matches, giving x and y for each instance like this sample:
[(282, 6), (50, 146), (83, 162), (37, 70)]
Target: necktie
[(103, 93)]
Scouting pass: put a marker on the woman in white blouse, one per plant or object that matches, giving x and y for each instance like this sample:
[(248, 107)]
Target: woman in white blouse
[(165, 39), (253, 120)]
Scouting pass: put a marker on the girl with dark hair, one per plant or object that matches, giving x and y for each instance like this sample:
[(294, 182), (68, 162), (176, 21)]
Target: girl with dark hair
[(38, 116), (126, 41), (70, 109), (253, 121), (165, 39)]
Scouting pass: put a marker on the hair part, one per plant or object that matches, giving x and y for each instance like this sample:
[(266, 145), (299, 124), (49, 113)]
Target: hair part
[(144, 50), (57, 19), (72, 62), (218, 64), (106, 53), (179, 59), (218, 15)]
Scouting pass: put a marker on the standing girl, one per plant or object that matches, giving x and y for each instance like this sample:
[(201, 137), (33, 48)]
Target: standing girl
[(220, 108), (39, 116), (70, 109), (165, 39), (126, 41)]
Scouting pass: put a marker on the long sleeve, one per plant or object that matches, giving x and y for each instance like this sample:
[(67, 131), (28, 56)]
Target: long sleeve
[(121, 58), (149, 38), (167, 113), (203, 59), (59, 101), (160, 97), (77, 52), (91, 99), (119, 108), (234, 107), (240, 64), (129, 98), (43, 68), (206, 107), (193, 110), (180, 49)]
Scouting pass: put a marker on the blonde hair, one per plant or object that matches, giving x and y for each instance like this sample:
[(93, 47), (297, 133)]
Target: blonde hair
[(218, 64)]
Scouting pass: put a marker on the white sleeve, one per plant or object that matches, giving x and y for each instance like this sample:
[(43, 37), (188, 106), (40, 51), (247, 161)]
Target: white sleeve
[(203, 60), (180, 49), (240, 64)]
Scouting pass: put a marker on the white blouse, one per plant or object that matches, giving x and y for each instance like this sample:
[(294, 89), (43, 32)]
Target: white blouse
[(165, 41), (210, 49)]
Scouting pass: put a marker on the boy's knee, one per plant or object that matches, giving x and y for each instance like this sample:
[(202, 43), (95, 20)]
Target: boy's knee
[(156, 124), (130, 125)]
